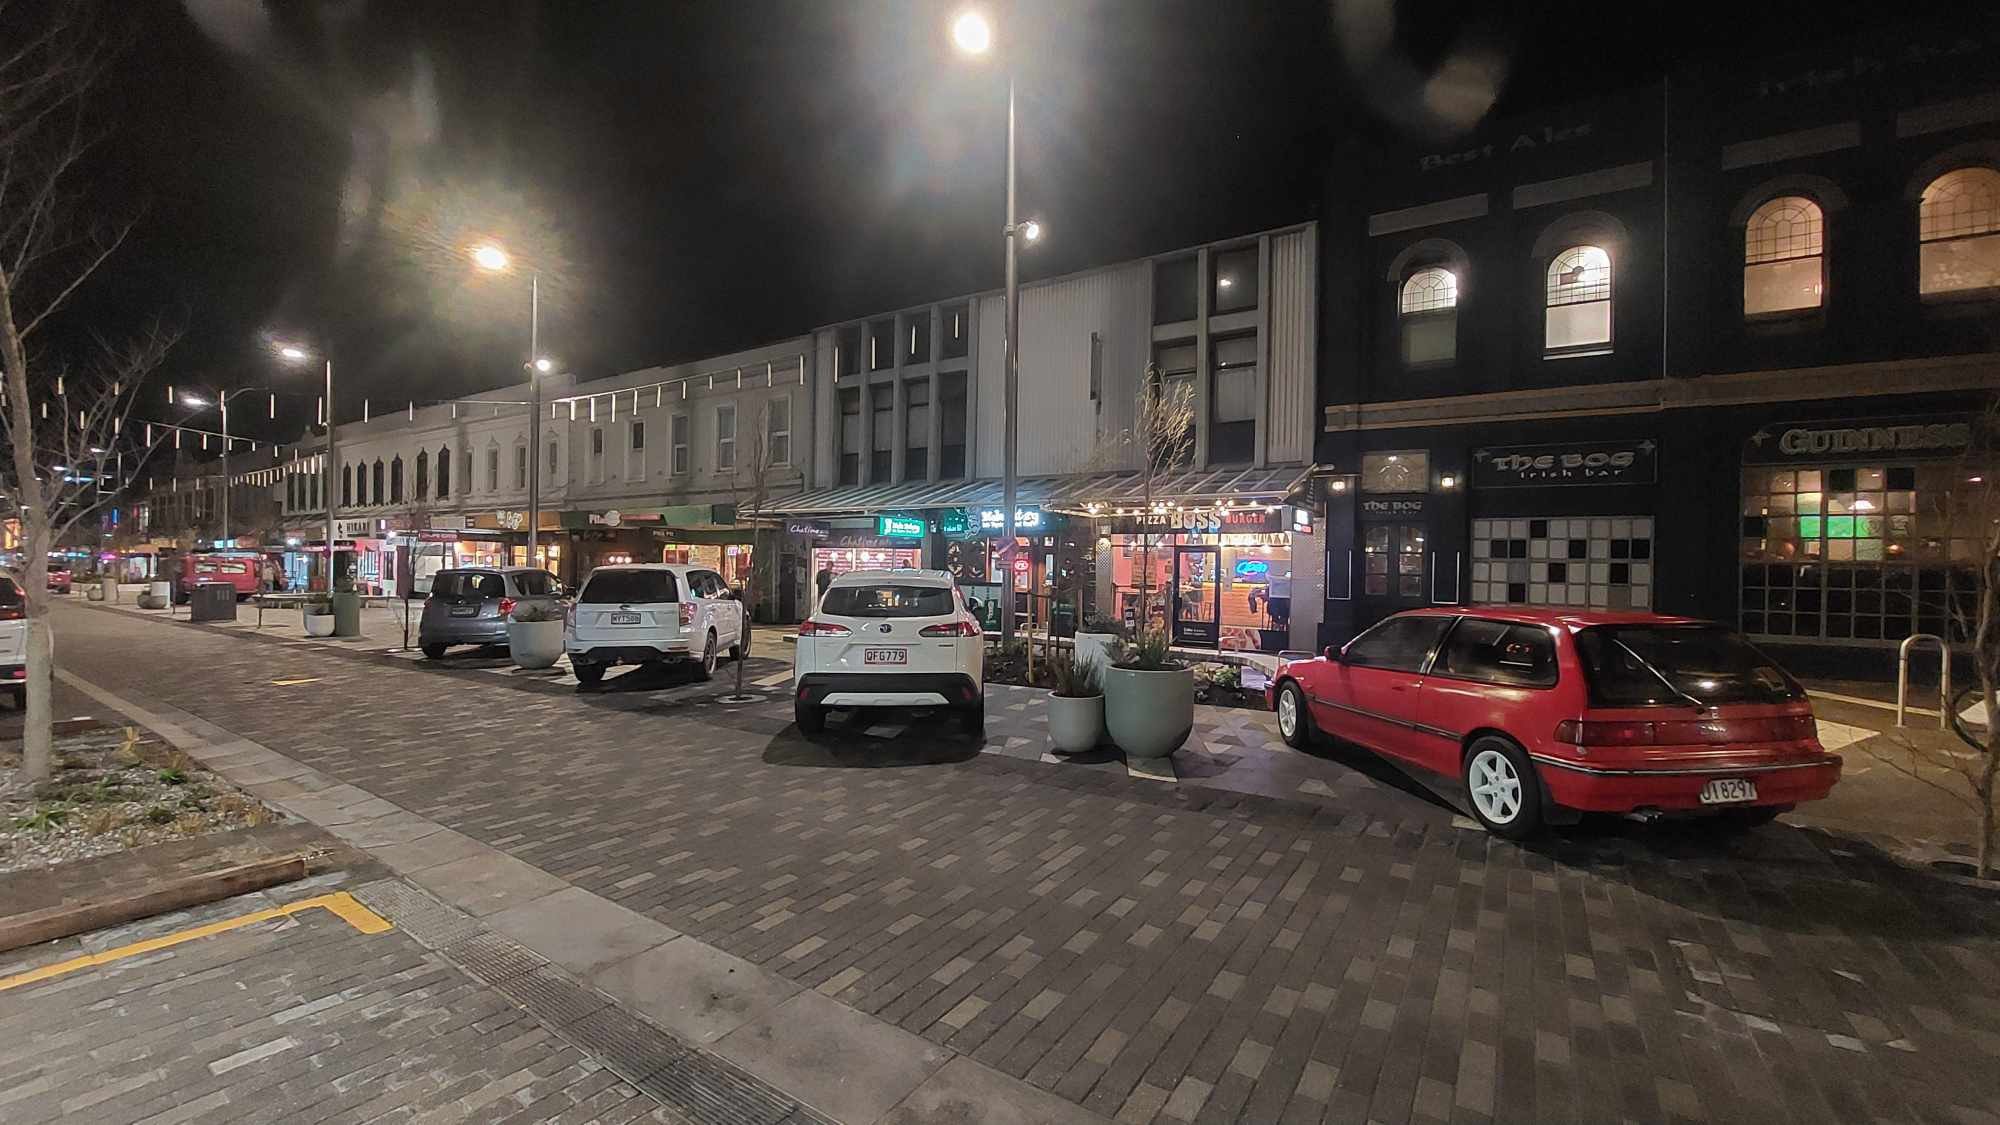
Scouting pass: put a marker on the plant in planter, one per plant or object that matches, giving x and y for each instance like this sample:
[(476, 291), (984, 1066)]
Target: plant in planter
[(1076, 706), (1149, 697), (1097, 637), (535, 634), (318, 614)]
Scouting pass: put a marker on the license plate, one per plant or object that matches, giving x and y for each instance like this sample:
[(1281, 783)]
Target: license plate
[(885, 656), (624, 619), (465, 611), (1728, 791)]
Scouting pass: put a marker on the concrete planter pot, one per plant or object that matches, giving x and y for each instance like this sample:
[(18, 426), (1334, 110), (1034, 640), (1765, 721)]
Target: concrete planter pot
[(94, 593), (1076, 723), (1149, 714), (146, 601), (535, 644), (1096, 648), (319, 624)]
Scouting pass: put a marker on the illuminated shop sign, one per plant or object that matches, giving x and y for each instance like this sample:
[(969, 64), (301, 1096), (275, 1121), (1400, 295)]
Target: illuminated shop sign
[(993, 519), (900, 527)]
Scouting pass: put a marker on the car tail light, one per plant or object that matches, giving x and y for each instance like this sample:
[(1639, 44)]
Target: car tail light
[(1687, 732), (811, 628), (506, 607), (687, 614), (569, 615), (12, 612), (950, 629)]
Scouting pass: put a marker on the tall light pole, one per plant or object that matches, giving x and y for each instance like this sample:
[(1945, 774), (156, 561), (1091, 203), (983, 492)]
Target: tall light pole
[(491, 258), (974, 35), (292, 353), (221, 401)]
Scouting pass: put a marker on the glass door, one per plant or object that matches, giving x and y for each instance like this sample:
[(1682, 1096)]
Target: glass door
[(1197, 596)]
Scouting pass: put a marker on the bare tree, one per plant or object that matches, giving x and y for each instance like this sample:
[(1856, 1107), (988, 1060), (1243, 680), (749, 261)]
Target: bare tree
[(751, 484), (1163, 435), (65, 428)]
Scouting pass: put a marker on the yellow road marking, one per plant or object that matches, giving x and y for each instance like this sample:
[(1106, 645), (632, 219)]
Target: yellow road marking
[(340, 904), (295, 683)]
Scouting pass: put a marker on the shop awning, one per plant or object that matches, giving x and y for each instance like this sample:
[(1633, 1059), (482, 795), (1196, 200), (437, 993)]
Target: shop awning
[(1072, 493)]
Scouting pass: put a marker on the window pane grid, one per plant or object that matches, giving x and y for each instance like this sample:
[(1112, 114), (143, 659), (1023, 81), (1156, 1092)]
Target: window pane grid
[(1785, 228), (1580, 274), (1961, 203), (1429, 290)]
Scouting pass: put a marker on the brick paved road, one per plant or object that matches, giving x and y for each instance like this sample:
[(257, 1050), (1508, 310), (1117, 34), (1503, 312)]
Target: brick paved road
[(300, 1020), (1172, 952)]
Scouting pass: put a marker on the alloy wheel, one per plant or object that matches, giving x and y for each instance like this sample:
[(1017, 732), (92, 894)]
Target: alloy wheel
[(1495, 787), (1288, 714)]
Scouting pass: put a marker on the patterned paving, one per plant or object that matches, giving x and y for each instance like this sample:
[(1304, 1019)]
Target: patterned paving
[(1174, 952)]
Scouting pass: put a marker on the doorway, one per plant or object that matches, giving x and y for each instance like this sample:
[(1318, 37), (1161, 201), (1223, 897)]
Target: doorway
[(1197, 599)]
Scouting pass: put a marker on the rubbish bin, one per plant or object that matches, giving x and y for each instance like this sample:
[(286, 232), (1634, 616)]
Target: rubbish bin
[(346, 614), (212, 601), (107, 588)]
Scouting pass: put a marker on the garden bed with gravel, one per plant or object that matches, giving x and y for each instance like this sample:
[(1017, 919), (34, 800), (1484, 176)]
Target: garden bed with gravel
[(114, 788)]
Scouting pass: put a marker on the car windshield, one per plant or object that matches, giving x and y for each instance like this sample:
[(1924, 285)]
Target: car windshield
[(536, 583), (617, 587), (886, 599), (467, 584), (1637, 665)]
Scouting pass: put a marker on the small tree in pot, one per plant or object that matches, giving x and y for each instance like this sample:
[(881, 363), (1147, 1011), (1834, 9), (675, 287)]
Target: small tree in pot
[(1149, 697), (1076, 706), (535, 634)]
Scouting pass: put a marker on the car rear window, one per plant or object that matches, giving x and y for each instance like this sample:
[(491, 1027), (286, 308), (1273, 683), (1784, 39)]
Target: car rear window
[(886, 599), (612, 587), (536, 583), (1496, 652), (467, 584), (10, 594), (1637, 665)]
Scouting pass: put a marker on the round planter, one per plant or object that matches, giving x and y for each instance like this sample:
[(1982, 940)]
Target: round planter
[(319, 624), (1076, 723), (1149, 714), (535, 644), (1096, 648), (146, 601), (94, 593)]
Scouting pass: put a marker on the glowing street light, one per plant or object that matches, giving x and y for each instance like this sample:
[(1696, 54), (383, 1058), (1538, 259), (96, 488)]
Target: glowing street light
[(972, 33), (490, 258), (293, 353), (545, 365)]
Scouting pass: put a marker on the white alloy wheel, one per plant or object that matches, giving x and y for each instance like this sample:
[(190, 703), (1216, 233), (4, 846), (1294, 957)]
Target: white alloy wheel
[(1288, 714), (1495, 787)]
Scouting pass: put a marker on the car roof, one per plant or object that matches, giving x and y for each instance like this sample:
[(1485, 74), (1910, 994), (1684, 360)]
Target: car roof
[(1566, 616), (669, 568), (910, 577)]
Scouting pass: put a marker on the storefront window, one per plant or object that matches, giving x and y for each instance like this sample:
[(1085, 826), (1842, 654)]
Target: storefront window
[(1393, 556), (1866, 553), (1246, 594), (1599, 562)]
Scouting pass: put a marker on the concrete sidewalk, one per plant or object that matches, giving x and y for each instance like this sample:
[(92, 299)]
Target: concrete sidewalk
[(721, 1015)]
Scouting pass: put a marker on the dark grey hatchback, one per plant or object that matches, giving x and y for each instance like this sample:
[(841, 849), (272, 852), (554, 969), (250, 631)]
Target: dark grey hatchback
[(471, 606)]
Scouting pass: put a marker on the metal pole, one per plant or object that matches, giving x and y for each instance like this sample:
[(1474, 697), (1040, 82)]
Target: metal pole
[(330, 473), (1010, 402), (534, 414), (222, 402)]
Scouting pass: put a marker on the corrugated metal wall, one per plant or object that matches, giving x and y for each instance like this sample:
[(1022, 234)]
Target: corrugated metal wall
[(1062, 430), (1293, 386)]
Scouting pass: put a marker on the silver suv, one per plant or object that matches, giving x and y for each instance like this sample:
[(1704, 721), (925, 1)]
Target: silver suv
[(470, 606)]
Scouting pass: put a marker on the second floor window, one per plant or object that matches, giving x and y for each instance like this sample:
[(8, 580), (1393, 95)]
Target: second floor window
[(1784, 261), (635, 450), (725, 437), (850, 436), (1427, 311), (678, 438), (521, 466), (375, 491), (423, 474), (1958, 233), (493, 470), (347, 485), (465, 466), (1578, 314), (554, 460), (597, 454), (778, 431), (396, 481), (444, 472), (1232, 430)]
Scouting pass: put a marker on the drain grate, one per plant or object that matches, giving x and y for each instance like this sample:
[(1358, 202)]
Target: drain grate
[(699, 1087)]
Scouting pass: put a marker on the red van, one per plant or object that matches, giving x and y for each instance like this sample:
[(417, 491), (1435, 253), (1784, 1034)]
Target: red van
[(241, 569)]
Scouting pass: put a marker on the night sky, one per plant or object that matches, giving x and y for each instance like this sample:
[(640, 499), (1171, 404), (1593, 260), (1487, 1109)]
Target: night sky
[(698, 177)]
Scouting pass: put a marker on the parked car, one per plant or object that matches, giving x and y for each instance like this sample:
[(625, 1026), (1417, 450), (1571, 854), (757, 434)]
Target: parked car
[(13, 640), (1544, 714), (890, 638), (59, 580), (651, 613), (241, 569), (469, 606)]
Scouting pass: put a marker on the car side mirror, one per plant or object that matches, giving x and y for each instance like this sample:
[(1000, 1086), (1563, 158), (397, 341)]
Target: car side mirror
[(1332, 654)]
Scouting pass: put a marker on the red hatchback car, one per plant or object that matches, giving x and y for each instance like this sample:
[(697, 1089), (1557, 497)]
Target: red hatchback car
[(1544, 714)]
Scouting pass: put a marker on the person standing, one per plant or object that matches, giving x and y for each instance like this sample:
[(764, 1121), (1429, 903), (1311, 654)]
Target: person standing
[(821, 581)]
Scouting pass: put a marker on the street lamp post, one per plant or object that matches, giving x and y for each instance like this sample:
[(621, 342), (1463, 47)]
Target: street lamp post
[(491, 258), (292, 353), (974, 35), (222, 407)]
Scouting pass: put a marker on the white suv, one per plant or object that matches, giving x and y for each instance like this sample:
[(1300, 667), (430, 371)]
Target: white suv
[(890, 638), (652, 613)]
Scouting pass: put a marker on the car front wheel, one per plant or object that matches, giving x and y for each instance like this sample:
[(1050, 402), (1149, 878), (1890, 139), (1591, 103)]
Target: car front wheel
[(1295, 723), (1501, 785)]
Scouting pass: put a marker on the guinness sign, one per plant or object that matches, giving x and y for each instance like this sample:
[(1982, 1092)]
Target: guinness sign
[(1862, 439)]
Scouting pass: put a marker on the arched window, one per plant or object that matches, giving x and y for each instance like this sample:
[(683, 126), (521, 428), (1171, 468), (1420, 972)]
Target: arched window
[(375, 485), (1784, 257), (423, 474), (347, 486), (444, 472), (396, 481), (1427, 311), (1578, 314), (1958, 233)]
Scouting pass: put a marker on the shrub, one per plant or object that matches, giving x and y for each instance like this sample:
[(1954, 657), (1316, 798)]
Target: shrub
[(159, 814), (1151, 651), (527, 612), (319, 607), (1098, 622), (1077, 677), (50, 815)]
